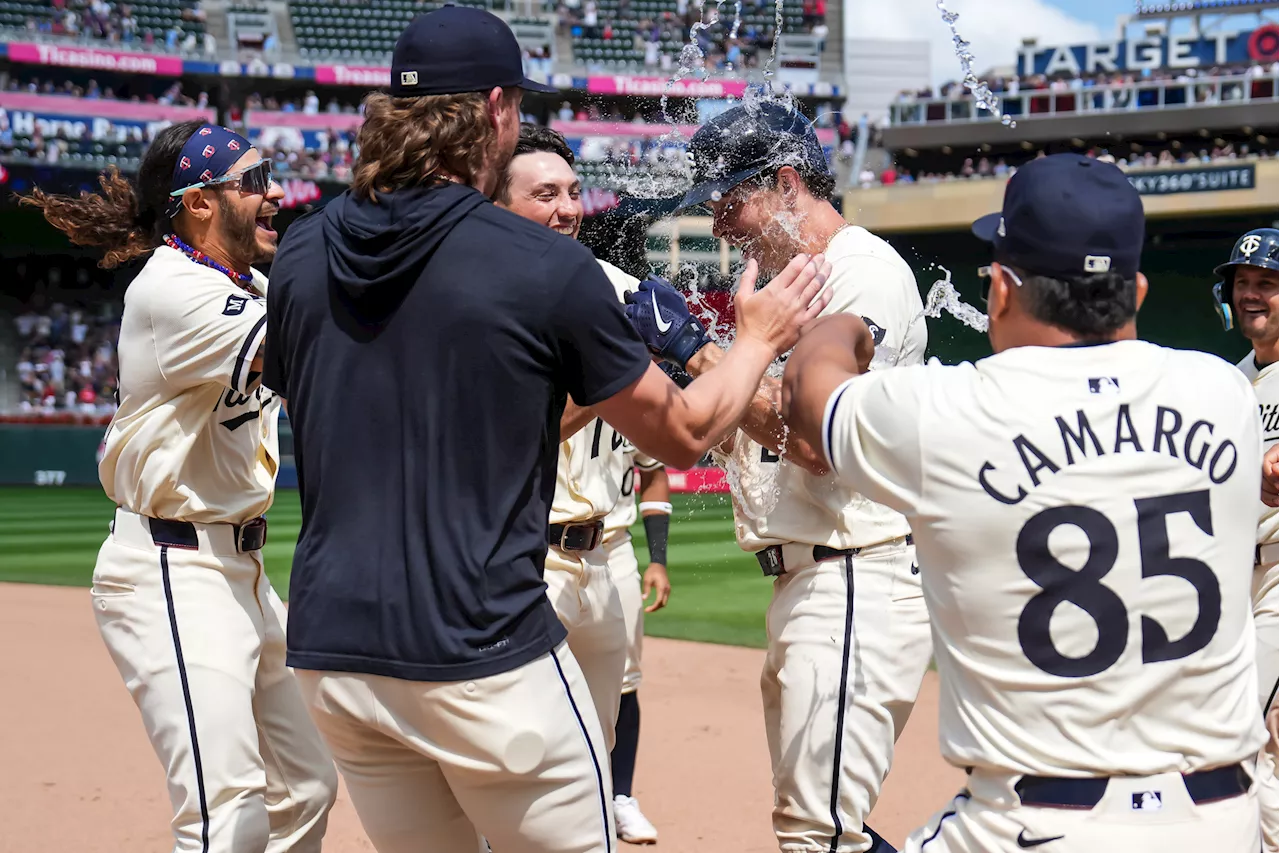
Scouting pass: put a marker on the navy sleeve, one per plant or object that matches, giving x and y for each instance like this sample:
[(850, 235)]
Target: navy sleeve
[(273, 372), (600, 353)]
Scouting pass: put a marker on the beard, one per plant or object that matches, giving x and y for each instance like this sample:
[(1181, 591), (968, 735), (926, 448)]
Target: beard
[(239, 233)]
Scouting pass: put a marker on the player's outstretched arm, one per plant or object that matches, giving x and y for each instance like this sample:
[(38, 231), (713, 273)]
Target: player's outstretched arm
[(677, 426), (763, 421), (831, 350), (661, 316)]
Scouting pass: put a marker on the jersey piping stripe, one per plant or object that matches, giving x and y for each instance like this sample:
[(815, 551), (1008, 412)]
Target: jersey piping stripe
[(840, 703), (186, 698), (1271, 699), (604, 806), (245, 349), (963, 795), (829, 426)]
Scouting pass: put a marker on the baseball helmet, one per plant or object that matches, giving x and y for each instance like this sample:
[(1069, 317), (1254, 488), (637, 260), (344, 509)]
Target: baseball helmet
[(1259, 249), (742, 142)]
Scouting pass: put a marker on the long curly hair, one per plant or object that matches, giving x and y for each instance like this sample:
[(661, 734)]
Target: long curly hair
[(404, 142), (126, 219)]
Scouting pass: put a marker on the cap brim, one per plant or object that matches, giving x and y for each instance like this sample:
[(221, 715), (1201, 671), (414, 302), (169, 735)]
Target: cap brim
[(985, 228), (702, 193), (530, 86)]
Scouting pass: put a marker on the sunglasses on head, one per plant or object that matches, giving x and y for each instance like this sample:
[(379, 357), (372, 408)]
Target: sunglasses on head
[(253, 180)]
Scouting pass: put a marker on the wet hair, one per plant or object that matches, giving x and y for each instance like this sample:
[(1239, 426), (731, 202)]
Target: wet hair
[(128, 218), (820, 185), (1092, 307), (405, 142), (534, 138)]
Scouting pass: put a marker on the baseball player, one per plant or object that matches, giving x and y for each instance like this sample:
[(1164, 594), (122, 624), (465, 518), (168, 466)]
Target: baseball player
[(596, 471), (847, 627), (190, 460), (1246, 297), (654, 493), (1082, 502)]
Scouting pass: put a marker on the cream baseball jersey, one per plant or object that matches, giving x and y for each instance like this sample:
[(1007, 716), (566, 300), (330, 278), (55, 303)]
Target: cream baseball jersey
[(595, 460), (1266, 385), (1084, 519), (195, 436), (776, 501), (624, 512)]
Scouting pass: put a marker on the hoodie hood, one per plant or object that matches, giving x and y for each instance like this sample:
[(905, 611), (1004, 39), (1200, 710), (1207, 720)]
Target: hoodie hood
[(381, 248)]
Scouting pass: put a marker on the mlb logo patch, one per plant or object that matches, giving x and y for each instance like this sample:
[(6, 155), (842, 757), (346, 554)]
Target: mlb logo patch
[(1105, 385), (209, 151), (235, 305), (1147, 801), (408, 78), (233, 145)]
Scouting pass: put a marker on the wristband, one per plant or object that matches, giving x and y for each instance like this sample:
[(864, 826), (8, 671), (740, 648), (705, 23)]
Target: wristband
[(655, 506), (656, 528)]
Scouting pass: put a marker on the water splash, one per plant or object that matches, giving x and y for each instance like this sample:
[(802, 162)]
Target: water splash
[(777, 32), (981, 92), (943, 296)]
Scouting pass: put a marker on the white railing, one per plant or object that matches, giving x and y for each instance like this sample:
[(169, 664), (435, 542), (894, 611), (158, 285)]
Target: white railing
[(1127, 97)]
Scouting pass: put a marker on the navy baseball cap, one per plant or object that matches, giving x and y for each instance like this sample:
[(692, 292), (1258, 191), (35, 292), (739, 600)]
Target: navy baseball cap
[(458, 49), (742, 142), (1066, 216)]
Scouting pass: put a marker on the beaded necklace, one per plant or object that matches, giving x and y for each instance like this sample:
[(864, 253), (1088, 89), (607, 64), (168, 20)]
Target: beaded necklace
[(173, 241)]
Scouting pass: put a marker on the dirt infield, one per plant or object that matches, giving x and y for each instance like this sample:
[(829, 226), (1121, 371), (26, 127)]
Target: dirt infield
[(80, 774)]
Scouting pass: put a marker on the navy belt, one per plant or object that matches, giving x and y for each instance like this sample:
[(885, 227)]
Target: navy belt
[(772, 564), (585, 536), (250, 536), (1207, 786)]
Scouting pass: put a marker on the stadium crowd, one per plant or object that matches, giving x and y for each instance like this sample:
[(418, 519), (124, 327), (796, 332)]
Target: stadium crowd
[(101, 20), (1002, 167), (67, 359), (1113, 90)]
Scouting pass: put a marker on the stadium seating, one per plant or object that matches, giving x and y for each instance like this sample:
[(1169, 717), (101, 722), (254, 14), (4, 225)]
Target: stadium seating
[(151, 16), (624, 18), (364, 31)]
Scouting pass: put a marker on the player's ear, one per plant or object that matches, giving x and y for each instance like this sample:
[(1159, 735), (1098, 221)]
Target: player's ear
[(198, 205), (998, 296), (494, 107), (1142, 292), (789, 182)]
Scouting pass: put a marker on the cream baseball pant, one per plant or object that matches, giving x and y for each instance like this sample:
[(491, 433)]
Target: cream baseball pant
[(586, 600), (517, 758), (199, 637), (1152, 814), (1266, 620), (849, 643), (625, 570)]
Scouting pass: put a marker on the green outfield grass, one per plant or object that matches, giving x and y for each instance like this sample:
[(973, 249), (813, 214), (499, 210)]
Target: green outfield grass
[(51, 536)]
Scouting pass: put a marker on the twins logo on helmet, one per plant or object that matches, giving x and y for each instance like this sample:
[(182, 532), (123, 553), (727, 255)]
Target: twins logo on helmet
[(1258, 248)]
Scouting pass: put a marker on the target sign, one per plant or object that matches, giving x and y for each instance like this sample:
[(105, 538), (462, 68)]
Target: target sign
[(1264, 43)]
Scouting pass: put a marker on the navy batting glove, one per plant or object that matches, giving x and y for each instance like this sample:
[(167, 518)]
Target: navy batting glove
[(660, 315)]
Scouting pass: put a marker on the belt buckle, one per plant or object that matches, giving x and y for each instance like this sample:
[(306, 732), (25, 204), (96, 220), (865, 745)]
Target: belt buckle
[(251, 535), (770, 560), (597, 534)]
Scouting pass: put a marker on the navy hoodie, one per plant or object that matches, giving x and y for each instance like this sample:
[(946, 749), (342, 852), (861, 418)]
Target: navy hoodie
[(425, 344)]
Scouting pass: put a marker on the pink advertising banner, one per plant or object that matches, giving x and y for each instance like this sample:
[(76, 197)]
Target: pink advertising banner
[(353, 75), (85, 57), (303, 121), (653, 86), (69, 106)]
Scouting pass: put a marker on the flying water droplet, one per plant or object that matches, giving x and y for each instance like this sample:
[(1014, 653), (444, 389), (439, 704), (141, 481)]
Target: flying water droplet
[(943, 296), (981, 92), (715, 195)]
